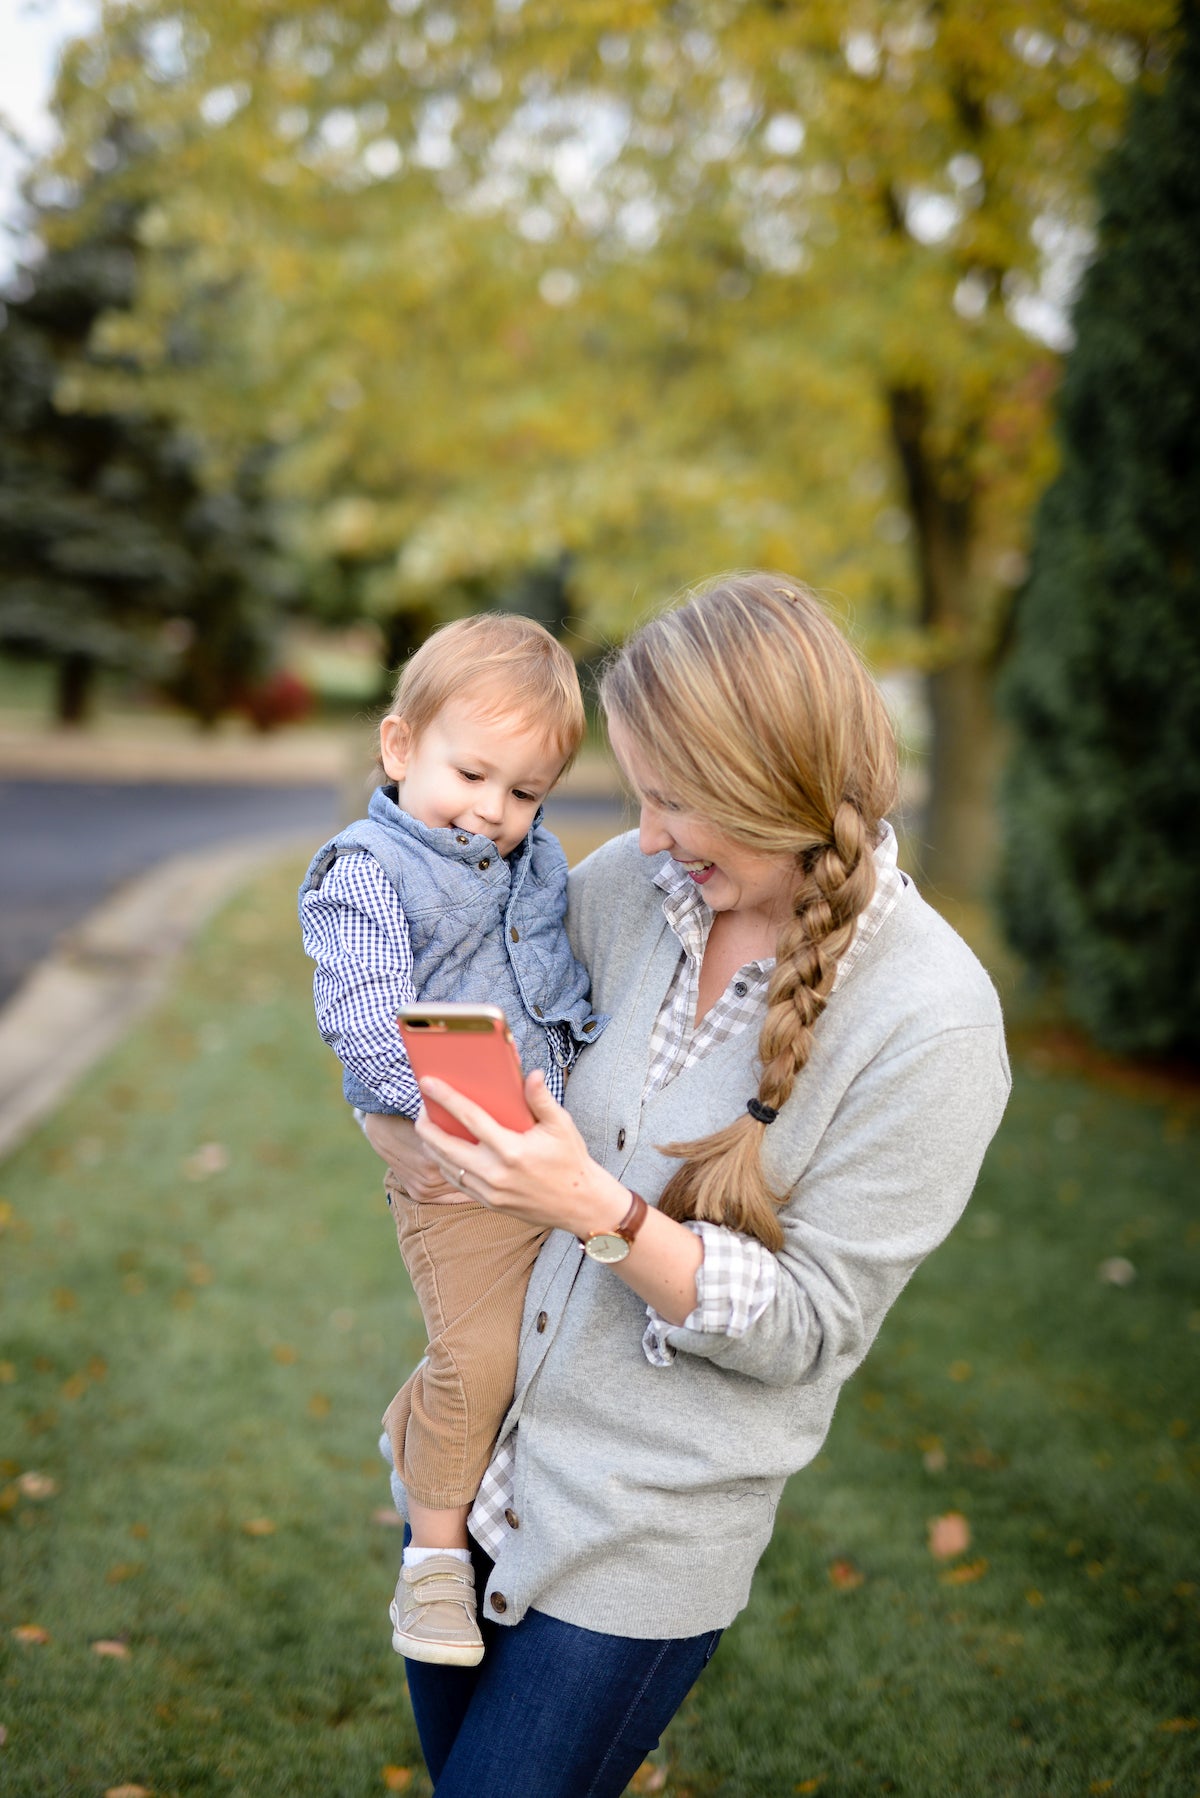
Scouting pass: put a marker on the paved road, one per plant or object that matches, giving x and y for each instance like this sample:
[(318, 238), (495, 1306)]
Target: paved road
[(68, 845)]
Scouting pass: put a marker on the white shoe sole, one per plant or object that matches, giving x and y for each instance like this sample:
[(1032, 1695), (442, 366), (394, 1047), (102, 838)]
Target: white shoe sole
[(442, 1654)]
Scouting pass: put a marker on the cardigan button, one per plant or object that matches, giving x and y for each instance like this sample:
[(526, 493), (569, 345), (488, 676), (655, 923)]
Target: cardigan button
[(621, 1138), (511, 1519), (515, 934), (499, 1603), (542, 1321)]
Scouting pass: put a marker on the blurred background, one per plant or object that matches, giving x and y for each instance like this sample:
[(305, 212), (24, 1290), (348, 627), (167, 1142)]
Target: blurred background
[(324, 325)]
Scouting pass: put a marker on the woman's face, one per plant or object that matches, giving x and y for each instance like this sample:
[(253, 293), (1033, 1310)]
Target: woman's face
[(730, 877)]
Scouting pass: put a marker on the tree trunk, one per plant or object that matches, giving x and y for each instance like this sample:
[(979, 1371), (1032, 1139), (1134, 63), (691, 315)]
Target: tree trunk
[(74, 685), (957, 843)]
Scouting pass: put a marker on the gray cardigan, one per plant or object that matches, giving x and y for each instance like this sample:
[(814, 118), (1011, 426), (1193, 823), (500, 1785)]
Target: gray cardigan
[(644, 1496)]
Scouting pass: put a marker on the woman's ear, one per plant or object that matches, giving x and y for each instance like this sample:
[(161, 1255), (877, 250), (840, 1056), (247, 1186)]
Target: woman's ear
[(395, 743)]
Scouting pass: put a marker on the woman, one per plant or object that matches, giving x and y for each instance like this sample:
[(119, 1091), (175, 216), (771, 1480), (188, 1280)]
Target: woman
[(786, 1114)]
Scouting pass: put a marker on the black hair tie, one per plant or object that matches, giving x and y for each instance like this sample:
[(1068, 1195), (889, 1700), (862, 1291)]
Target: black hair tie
[(762, 1114)]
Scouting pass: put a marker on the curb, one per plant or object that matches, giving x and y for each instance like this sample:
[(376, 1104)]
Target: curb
[(108, 971)]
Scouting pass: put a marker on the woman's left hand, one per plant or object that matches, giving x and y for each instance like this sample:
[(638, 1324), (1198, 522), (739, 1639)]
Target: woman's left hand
[(543, 1175)]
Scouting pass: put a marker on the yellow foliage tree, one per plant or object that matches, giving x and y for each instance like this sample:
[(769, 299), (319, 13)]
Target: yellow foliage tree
[(656, 289)]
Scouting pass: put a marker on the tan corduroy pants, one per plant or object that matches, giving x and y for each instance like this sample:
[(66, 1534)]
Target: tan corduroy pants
[(469, 1268)]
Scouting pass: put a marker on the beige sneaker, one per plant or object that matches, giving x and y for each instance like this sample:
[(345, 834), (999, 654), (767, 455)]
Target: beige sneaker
[(433, 1613)]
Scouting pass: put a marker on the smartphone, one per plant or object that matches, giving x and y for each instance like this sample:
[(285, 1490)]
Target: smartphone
[(471, 1047)]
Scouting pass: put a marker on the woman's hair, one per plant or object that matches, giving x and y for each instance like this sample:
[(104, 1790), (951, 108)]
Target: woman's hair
[(754, 712), (505, 665)]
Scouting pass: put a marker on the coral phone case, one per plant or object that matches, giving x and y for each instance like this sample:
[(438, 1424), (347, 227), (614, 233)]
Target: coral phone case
[(470, 1047)]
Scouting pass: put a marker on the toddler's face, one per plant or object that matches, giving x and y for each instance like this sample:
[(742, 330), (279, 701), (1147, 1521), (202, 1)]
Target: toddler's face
[(483, 775)]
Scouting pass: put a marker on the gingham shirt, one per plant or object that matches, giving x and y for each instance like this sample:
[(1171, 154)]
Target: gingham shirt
[(736, 1281), (354, 927)]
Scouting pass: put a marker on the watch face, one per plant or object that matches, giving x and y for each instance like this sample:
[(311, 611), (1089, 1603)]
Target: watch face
[(606, 1247)]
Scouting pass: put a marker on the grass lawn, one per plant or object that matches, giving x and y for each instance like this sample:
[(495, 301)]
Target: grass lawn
[(202, 1315)]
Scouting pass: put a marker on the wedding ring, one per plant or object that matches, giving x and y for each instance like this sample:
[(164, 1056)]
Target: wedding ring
[(462, 1174)]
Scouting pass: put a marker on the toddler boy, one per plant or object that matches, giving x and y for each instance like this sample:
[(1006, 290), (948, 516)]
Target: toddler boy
[(451, 888)]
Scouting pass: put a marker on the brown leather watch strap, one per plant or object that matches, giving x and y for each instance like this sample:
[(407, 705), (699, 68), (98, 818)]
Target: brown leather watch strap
[(633, 1219)]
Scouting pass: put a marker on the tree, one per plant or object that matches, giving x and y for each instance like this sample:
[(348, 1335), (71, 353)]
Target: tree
[(657, 289), (111, 554), (1102, 872)]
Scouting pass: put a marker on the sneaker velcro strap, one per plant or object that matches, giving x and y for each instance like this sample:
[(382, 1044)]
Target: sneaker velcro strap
[(457, 1588)]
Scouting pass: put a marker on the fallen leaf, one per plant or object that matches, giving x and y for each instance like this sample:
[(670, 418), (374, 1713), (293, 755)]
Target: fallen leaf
[(808, 1785), (648, 1778), (388, 1517), (210, 1158), (115, 1650), (397, 1779), (949, 1536), (32, 1634), (75, 1387), (960, 1371), (964, 1575), (122, 1571), (64, 1299), (258, 1526), (844, 1576), (37, 1485), (1176, 1726), (10, 1497)]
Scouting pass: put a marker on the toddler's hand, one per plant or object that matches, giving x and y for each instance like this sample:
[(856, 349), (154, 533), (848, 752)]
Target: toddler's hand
[(410, 1164)]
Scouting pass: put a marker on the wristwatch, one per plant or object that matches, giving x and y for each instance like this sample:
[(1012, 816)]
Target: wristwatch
[(610, 1246)]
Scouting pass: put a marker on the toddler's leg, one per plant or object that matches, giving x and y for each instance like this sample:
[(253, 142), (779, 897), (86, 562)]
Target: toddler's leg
[(469, 1268)]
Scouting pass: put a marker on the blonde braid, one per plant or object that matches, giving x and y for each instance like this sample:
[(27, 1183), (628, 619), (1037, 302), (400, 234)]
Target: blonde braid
[(835, 889)]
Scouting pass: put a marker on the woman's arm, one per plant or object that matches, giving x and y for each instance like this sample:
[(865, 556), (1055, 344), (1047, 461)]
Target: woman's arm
[(546, 1177), (889, 1179)]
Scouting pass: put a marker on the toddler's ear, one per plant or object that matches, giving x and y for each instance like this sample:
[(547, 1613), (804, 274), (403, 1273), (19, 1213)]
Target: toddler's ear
[(395, 743)]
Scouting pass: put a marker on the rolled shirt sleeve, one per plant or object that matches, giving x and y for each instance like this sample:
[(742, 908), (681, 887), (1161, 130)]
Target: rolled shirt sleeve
[(735, 1285)]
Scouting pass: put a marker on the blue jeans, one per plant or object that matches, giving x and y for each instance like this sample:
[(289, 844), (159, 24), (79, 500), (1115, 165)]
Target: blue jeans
[(552, 1711)]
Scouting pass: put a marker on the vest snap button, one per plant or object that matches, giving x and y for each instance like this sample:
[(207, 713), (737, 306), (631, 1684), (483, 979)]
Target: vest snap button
[(591, 1024), (515, 934), (538, 1012), (461, 839), (485, 863), (542, 1321), (499, 1602), (511, 1519)]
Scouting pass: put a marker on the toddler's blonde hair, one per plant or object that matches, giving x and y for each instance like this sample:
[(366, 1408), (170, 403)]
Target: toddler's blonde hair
[(756, 713), (507, 666)]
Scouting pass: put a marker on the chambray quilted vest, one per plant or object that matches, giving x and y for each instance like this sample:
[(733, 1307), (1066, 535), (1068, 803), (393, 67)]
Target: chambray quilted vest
[(485, 929)]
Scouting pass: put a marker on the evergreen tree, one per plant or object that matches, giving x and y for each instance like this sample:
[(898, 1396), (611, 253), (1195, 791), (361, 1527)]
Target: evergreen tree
[(112, 555), (1102, 800)]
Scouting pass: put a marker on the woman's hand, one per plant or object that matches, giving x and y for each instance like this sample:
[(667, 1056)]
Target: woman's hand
[(544, 1175), (410, 1165)]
